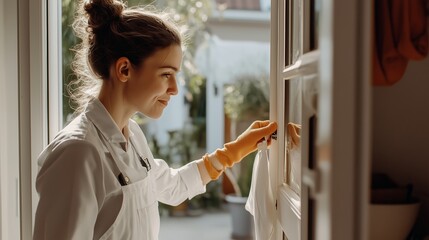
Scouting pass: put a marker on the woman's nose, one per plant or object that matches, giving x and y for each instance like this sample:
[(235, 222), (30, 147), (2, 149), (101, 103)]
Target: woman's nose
[(172, 88)]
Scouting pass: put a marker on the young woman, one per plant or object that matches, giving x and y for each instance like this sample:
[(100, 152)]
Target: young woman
[(98, 178)]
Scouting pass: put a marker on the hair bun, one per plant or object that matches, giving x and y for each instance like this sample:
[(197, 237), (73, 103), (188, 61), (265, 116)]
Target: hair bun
[(102, 12)]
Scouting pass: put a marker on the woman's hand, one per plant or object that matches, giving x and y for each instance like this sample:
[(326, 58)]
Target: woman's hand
[(246, 143), (295, 134)]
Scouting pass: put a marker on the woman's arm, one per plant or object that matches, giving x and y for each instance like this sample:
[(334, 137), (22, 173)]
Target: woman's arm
[(232, 152), (70, 196)]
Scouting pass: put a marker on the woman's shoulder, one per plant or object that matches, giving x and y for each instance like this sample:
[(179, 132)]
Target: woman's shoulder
[(79, 137), (80, 128)]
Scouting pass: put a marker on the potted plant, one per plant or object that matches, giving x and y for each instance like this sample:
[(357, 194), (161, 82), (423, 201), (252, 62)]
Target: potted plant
[(245, 100)]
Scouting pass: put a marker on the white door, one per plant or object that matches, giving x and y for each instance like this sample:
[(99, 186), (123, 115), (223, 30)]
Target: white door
[(320, 82)]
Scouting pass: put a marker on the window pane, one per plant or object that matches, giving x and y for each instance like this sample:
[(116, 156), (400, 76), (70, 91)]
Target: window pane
[(69, 40), (293, 31), (314, 24), (287, 32), (296, 50), (293, 132)]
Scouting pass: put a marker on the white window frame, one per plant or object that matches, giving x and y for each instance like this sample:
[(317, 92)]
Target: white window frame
[(55, 76), (25, 124), (344, 113), (40, 105), (45, 92), (291, 207), (34, 103), (9, 121)]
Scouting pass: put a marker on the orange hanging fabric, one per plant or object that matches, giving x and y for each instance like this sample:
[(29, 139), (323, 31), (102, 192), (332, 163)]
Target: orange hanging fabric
[(412, 28), (400, 35), (391, 63)]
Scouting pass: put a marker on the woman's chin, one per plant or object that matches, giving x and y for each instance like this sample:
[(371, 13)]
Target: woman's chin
[(154, 115)]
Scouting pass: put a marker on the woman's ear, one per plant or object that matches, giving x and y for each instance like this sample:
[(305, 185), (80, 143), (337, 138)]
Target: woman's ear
[(123, 69)]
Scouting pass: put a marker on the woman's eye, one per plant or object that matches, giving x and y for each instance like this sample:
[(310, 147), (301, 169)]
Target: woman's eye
[(166, 75)]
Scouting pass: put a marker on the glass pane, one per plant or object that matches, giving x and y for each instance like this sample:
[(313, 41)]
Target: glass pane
[(293, 31), (293, 132), (296, 50), (287, 32), (69, 40), (314, 24)]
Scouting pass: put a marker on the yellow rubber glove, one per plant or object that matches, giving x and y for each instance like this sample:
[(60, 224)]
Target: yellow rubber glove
[(246, 143), (233, 152)]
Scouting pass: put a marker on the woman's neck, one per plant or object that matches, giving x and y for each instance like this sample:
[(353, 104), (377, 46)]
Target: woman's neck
[(114, 103)]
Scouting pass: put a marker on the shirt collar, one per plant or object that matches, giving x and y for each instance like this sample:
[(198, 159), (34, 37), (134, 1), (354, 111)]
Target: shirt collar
[(102, 119)]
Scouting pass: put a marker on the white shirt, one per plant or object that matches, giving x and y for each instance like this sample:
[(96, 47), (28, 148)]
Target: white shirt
[(80, 195)]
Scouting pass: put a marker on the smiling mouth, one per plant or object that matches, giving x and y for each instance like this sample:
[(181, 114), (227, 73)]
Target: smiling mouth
[(163, 102)]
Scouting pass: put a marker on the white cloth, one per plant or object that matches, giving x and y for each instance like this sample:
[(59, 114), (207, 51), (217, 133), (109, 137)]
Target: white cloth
[(260, 202), (80, 195)]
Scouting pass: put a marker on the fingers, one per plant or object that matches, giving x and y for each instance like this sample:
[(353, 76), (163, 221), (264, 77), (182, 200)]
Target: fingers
[(294, 131), (259, 124), (296, 127), (271, 128), (266, 130), (268, 141)]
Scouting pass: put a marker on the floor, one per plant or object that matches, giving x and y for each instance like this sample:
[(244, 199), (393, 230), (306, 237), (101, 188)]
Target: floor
[(208, 226)]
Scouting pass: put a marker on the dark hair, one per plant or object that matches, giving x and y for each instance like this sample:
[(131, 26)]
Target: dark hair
[(109, 30)]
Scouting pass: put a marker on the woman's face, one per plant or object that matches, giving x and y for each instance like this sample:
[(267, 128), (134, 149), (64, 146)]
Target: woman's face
[(154, 82)]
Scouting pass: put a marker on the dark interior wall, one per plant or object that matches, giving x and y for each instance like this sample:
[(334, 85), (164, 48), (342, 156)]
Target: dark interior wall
[(401, 131)]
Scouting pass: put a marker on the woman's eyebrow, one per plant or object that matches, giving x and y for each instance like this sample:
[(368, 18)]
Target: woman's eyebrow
[(168, 66)]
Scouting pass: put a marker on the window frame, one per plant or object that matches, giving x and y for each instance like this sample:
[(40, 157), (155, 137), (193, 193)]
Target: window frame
[(34, 103), (9, 139), (342, 163), (292, 214), (55, 76)]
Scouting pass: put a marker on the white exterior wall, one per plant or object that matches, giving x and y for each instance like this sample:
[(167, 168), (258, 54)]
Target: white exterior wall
[(221, 61), (239, 45)]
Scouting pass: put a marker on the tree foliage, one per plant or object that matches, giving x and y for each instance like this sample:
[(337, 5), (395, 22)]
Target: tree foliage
[(247, 95)]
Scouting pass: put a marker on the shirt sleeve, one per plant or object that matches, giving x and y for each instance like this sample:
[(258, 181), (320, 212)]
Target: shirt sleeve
[(70, 189), (173, 186)]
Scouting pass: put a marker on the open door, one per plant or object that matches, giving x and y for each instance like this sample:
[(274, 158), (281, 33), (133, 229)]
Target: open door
[(319, 73)]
